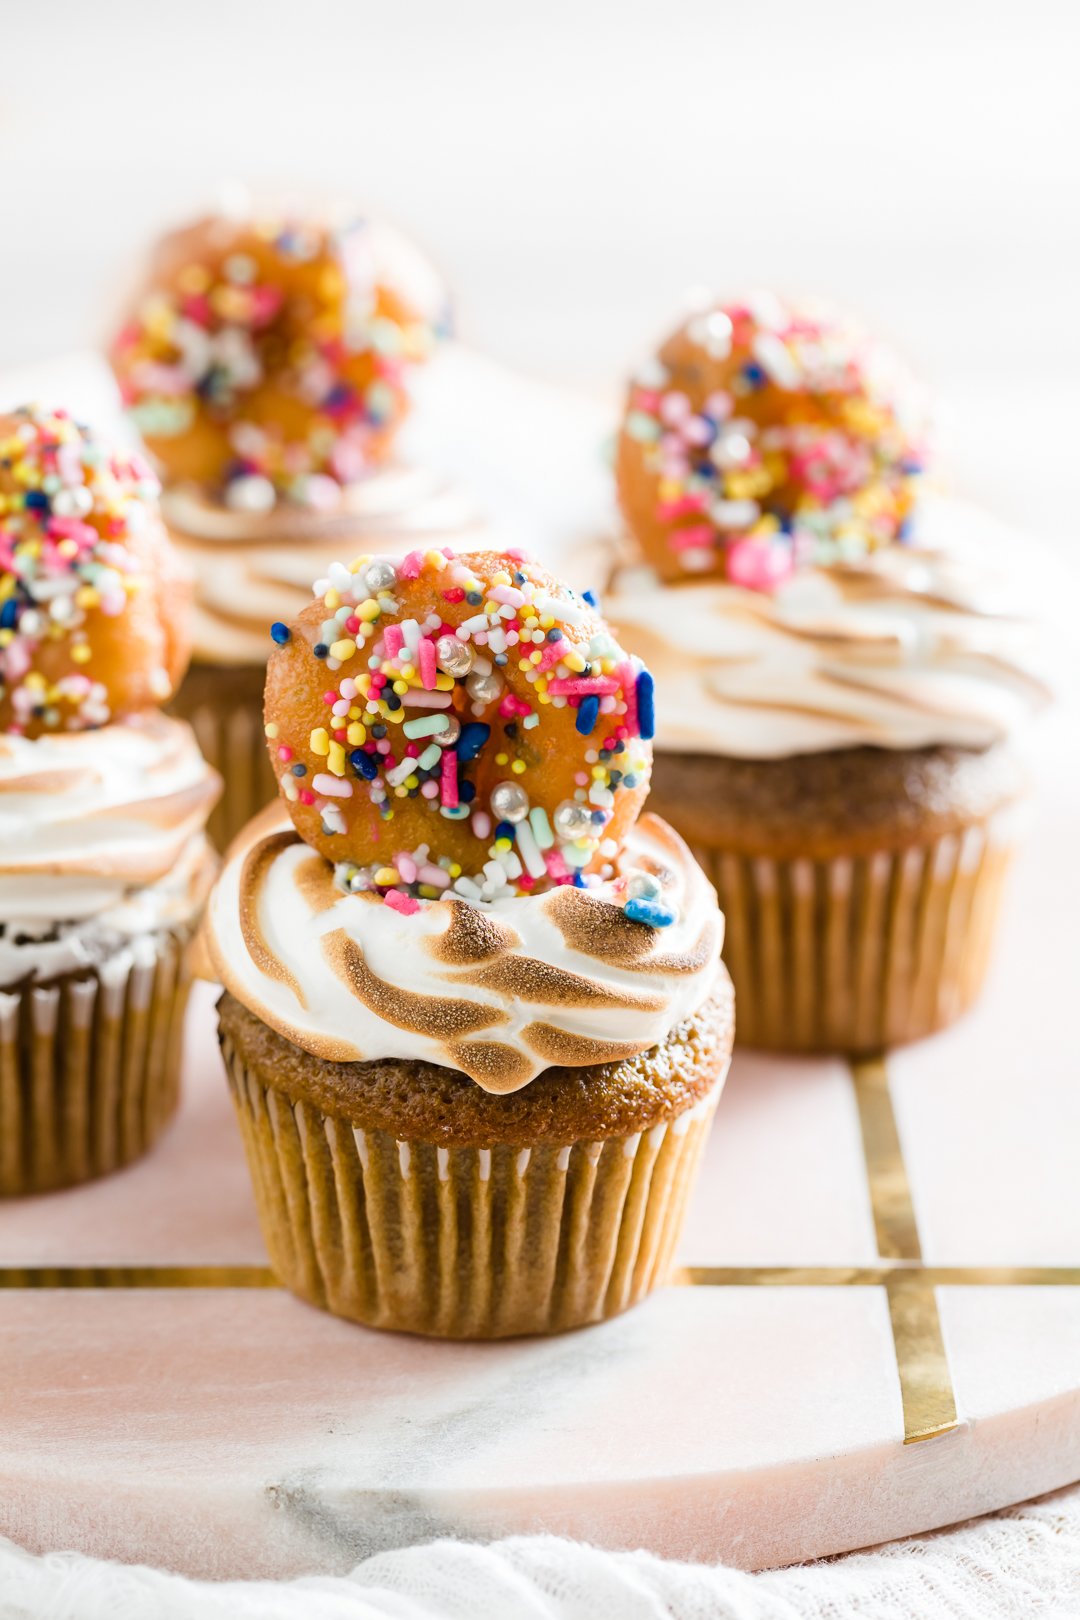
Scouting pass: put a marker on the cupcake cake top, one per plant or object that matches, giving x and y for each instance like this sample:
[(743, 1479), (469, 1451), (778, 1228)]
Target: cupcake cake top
[(463, 749), (763, 437), (265, 358), (90, 599)]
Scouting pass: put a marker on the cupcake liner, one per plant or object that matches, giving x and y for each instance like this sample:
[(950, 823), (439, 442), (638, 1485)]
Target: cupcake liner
[(856, 954), (463, 1242), (90, 1066), (223, 704)]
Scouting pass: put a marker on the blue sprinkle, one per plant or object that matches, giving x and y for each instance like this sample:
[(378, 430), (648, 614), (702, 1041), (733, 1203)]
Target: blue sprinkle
[(505, 829), (321, 650), (280, 633), (592, 598), (466, 792), (8, 614), (588, 713), (646, 711), (754, 374), (299, 770), (364, 764), (579, 881), (554, 634), (652, 912), (37, 500), (472, 739)]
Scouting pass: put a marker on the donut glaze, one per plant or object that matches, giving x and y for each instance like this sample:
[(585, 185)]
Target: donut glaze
[(466, 721), (761, 437)]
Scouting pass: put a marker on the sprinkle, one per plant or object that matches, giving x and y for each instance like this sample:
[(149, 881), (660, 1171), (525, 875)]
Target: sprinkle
[(386, 876), (643, 692), (319, 741), (541, 827), (280, 633), (428, 665), (401, 902), (652, 912), (605, 685), (449, 783), (393, 640), (472, 739), (332, 786), (588, 712), (426, 725)]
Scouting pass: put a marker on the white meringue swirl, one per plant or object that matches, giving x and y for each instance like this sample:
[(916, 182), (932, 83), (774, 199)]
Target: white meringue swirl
[(912, 647), (500, 991)]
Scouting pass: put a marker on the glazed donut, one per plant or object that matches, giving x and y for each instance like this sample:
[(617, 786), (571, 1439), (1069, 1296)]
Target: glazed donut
[(763, 436), (266, 358), (93, 605), (463, 722)]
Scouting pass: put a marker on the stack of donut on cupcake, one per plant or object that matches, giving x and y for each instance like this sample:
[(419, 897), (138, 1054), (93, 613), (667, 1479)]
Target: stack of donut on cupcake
[(475, 1019), (840, 692)]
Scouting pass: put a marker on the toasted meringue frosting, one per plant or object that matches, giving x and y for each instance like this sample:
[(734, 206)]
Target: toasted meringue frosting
[(88, 817), (911, 647), (252, 568), (501, 991)]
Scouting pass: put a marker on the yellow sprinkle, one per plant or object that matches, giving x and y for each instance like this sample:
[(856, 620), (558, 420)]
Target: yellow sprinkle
[(81, 653), (319, 741), (332, 599), (342, 650), (518, 766), (400, 686), (336, 758), (444, 683), (86, 597), (574, 661), (356, 734), (436, 560), (455, 870), (501, 578), (386, 877), (502, 759), (368, 610), (271, 728)]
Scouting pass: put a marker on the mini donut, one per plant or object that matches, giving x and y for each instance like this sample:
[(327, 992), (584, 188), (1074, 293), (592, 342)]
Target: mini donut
[(267, 358), (762, 437), (463, 722), (93, 604)]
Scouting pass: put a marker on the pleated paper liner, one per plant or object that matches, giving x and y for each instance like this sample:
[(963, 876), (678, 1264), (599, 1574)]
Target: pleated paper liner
[(90, 1066), (463, 1242), (856, 955), (223, 704)]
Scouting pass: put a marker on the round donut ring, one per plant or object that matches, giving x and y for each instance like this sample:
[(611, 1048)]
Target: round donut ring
[(763, 437), (467, 722), (267, 359), (93, 605)]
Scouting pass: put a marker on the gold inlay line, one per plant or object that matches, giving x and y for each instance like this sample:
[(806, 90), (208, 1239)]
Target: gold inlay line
[(890, 1193)]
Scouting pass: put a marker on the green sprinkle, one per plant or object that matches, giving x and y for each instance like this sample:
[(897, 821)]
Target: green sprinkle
[(426, 725)]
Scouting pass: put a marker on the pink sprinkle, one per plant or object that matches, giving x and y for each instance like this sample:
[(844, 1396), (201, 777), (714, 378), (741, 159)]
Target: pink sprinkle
[(512, 706), (756, 566), (449, 780), (284, 752), (406, 867), (428, 667), (348, 688), (417, 698), (306, 797), (409, 567), (507, 595), (434, 876), (329, 697), (583, 686), (430, 790), (552, 653), (557, 867), (352, 624), (683, 506), (393, 636), (333, 787), (517, 553), (454, 594), (480, 823), (628, 682), (401, 902)]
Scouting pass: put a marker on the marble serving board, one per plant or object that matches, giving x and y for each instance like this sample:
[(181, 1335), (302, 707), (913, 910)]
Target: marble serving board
[(874, 1330)]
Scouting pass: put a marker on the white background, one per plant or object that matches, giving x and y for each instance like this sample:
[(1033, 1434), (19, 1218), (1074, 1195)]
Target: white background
[(575, 167)]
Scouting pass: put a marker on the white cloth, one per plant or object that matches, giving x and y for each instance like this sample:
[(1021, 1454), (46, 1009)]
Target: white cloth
[(1024, 1561)]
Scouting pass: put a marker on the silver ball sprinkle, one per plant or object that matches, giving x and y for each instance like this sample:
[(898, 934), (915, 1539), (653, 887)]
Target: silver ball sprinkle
[(448, 736), (484, 689), (509, 802), (572, 820), (380, 576), (453, 657), (643, 886)]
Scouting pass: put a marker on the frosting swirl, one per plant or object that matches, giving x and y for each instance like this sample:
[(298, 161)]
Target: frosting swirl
[(253, 568), (909, 647), (501, 991), (86, 817)]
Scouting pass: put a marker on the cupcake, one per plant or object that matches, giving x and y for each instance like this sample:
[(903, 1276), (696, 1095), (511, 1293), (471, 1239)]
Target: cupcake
[(267, 361), (842, 680), (104, 864), (474, 1020)]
